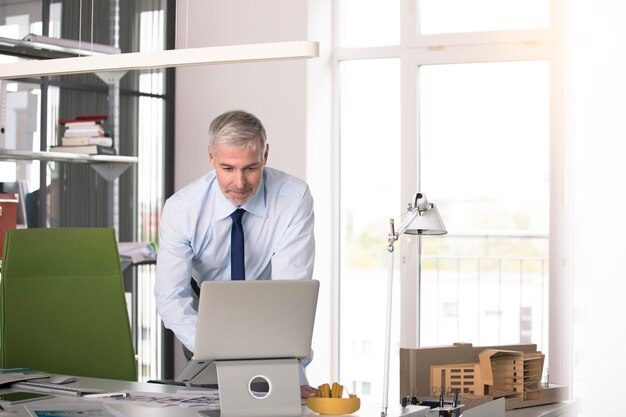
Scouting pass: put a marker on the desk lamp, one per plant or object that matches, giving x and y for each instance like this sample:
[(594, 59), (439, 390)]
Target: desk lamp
[(423, 219)]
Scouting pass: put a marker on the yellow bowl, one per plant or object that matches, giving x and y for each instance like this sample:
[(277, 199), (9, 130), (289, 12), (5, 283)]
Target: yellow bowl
[(334, 406)]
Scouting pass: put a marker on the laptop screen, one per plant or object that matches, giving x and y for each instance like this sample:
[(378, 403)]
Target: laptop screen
[(255, 319)]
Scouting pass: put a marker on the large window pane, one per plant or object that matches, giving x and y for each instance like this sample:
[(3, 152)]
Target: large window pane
[(150, 186), (484, 137), (369, 23), (454, 16), (370, 181)]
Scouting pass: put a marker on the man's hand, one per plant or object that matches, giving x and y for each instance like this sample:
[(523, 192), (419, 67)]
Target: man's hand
[(307, 391)]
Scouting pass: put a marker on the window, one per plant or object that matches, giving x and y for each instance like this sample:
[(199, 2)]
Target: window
[(151, 104), (484, 145), (455, 16), (472, 126), (370, 133), (369, 23)]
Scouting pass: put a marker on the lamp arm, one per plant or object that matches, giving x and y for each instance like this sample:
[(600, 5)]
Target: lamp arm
[(388, 330), (393, 236), (420, 207), (407, 222)]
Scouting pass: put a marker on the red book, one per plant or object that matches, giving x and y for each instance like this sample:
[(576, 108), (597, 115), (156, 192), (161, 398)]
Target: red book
[(98, 118), (93, 117)]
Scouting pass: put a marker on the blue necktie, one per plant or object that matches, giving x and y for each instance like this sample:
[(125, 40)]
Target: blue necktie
[(237, 268)]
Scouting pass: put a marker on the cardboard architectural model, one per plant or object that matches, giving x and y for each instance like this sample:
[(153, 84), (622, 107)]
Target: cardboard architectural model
[(479, 374), (465, 377)]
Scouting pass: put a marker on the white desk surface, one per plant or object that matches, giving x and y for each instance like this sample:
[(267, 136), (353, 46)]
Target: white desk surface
[(131, 410), (561, 409)]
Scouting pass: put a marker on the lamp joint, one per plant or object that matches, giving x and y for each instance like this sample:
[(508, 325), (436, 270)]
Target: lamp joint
[(393, 236)]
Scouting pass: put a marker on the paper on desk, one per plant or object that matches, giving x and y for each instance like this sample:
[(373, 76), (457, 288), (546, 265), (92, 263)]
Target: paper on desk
[(205, 398), (83, 409), (11, 377), (138, 251)]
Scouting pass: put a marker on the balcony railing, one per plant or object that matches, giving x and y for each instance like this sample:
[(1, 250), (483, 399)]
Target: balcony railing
[(483, 300)]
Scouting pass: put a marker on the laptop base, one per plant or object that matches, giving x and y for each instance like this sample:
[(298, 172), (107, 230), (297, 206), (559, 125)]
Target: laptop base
[(239, 379)]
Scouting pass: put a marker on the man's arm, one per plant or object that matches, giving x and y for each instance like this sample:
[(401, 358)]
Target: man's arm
[(172, 289), (294, 256), (294, 259)]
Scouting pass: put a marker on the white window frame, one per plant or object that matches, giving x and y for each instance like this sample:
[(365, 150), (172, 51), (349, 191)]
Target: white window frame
[(414, 51)]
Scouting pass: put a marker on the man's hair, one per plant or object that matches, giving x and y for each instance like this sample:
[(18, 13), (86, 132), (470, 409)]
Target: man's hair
[(237, 128)]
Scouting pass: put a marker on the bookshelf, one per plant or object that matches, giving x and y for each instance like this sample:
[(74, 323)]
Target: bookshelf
[(81, 190), (17, 155), (108, 166)]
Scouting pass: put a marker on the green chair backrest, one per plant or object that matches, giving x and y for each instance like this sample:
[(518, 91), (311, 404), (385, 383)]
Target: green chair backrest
[(62, 304)]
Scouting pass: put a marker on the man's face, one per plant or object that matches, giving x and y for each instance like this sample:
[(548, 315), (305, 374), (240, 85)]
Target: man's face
[(239, 170)]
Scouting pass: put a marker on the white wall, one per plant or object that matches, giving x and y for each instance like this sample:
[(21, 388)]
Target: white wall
[(273, 91), (292, 99), (596, 88)]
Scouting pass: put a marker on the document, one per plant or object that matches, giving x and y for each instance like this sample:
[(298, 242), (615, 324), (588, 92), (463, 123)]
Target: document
[(83, 409), (9, 376), (204, 398)]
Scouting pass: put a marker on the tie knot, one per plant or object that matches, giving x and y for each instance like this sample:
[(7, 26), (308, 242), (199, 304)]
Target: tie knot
[(237, 215)]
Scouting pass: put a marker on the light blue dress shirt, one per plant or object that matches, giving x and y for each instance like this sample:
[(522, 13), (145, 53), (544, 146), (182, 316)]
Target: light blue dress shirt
[(195, 242)]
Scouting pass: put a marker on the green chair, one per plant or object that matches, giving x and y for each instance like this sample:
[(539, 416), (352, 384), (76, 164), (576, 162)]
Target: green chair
[(62, 304)]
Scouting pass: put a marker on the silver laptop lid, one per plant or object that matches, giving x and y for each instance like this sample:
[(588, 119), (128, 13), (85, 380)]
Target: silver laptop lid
[(255, 319)]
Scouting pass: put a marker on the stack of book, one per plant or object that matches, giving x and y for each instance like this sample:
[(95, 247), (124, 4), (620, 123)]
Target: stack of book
[(85, 134)]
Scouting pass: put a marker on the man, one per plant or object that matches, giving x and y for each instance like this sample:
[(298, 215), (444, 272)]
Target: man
[(199, 222)]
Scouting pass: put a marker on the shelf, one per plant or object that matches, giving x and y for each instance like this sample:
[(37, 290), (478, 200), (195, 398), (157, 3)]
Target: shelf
[(15, 155), (43, 47), (108, 166)]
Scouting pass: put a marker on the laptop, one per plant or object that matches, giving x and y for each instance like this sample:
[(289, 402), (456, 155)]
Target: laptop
[(264, 319)]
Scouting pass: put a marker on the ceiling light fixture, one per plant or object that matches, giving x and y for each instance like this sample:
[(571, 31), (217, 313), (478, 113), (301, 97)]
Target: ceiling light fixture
[(162, 59)]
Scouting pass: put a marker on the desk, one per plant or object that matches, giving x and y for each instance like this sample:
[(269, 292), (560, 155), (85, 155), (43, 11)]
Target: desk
[(561, 409), (127, 409), (566, 409)]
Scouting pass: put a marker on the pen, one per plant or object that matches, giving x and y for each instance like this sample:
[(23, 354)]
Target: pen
[(441, 403), (455, 402), (107, 395)]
